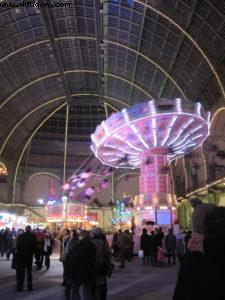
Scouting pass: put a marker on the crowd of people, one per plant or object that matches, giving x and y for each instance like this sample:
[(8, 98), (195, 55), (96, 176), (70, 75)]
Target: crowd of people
[(87, 257), (7, 238)]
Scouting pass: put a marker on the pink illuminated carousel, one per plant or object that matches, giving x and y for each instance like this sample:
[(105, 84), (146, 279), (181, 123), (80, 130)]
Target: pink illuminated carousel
[(149, 136)]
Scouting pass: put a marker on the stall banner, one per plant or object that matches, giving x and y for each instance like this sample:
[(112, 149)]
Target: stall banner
[(92, 217), (75, 210), (54, 211), (10, 220)]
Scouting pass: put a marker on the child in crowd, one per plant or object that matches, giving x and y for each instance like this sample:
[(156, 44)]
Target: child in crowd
[(161, 256)]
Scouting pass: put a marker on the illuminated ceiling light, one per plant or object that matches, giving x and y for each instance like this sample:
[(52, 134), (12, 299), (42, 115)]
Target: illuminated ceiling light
[(41, 201)]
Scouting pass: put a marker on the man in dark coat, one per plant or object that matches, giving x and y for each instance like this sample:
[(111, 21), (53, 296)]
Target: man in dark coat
[(145, 246), (25, 248), (82, 271), (171, 245)]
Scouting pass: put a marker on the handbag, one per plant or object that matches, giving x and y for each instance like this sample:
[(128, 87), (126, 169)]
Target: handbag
[(109, 269), (140, 253)]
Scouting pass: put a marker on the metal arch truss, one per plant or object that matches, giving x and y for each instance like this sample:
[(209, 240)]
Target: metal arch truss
[(190, 38), (69, 72), (94, 39), (165, 17), (217, 112), (49, 102), (124, 175), (45, 173), (27, 143)]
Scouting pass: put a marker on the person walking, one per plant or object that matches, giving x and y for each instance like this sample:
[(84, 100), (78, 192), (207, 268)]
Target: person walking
[(103, 258), (81, 271), (171, 245), (70, 255), (145, 247), (25, 248), (47, 250), (40, 245), (123, 246), (64, 239)]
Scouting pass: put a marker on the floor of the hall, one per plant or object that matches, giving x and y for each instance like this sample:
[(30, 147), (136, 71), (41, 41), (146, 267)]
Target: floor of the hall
[(135, 282)]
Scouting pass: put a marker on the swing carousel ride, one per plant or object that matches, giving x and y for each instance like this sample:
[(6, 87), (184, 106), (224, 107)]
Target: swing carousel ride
[(149, 136)]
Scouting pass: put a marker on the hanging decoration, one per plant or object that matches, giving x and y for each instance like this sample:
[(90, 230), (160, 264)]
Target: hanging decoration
[(3, 170), (122, 212)]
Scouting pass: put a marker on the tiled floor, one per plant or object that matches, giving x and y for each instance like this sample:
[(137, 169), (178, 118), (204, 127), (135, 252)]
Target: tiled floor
[(135, 282)]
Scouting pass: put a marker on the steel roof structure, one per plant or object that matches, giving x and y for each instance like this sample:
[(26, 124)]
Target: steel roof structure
[(96, 55)]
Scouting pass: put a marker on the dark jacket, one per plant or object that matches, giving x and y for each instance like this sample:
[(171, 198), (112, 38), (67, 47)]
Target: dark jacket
[(69, 258), (83, 262), (146, 244), (26, 246), (102, 259), (170, 242), (202, 276)]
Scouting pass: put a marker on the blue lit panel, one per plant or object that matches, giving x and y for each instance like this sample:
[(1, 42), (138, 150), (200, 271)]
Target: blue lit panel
[(163, 217)]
